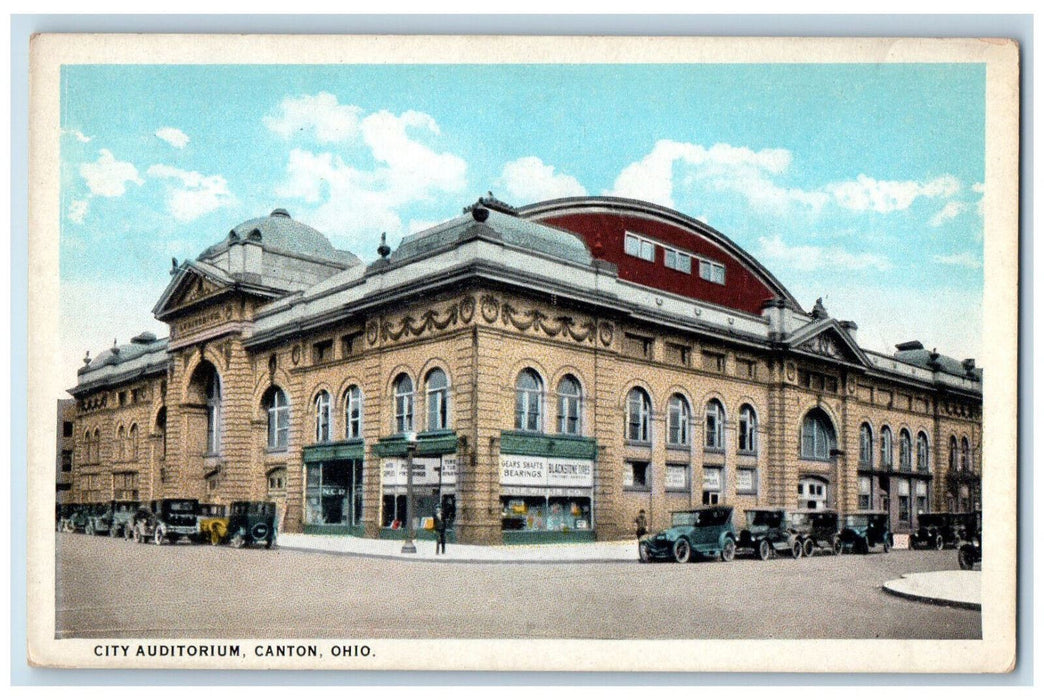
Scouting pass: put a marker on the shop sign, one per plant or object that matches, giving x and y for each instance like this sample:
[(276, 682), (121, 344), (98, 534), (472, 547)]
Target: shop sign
[(711, 479), (425, 471), (745, 480), (518, 470), (675, 479)]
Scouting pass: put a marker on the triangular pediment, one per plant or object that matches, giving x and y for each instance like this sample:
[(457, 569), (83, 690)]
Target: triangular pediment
[(827, 338), (191, 283)]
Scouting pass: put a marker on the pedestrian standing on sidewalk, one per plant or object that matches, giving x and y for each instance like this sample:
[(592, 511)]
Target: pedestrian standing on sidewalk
[(440, 531), (641, 525)]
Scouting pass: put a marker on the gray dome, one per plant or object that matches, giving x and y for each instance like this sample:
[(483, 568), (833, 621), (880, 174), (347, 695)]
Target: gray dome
[(279, 232)]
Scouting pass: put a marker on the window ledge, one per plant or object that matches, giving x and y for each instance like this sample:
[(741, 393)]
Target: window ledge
[(637, 489), (747, 453), (647, 444), (277, 451), (677, 492), (821, 460), (714, 450)]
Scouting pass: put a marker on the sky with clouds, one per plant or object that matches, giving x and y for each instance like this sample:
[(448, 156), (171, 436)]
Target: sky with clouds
[(861, 184)]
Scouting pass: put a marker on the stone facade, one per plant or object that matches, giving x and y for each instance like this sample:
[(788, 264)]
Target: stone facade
[(483, 299)]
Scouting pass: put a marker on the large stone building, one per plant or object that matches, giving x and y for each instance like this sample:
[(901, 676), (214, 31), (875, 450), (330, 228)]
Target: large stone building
[(563, 365)]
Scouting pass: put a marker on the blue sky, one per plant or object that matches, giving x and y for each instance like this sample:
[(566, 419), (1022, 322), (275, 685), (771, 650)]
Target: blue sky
[(859, 183)]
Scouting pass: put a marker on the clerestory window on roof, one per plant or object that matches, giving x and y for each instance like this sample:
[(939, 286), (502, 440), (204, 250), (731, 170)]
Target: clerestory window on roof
[(677, 260), (639, 247)]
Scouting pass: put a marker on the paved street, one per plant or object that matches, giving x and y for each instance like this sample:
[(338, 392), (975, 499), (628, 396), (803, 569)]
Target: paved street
[(114, 588)]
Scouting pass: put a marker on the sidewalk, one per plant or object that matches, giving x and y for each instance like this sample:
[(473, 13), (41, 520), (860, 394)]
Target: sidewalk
[(961, 589), (626, 550)]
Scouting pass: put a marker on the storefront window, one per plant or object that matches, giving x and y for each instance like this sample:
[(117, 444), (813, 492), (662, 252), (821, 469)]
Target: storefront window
[(545, 513), (393, 513), (333, 493)]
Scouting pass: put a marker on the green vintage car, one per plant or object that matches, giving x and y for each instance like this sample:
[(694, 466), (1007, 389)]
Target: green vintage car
[(251, 522), (704, 531), (769, 532), (865, 530)]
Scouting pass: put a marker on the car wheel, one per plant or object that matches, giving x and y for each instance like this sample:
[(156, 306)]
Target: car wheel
[(682, 551), (795, 549), (88, 529), (113, 532), (643, 552), (215, 535), (259, 531), (728, 551), (158, 536), (269, 543), (238, 541), (939, 542), (807, 547), (764, 550), (964, 559), (139, 535), (128, 533), (836, 546), (886, 544)]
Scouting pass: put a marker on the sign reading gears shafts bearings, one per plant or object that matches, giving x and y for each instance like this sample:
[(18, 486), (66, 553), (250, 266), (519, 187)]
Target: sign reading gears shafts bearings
[(550, 472)]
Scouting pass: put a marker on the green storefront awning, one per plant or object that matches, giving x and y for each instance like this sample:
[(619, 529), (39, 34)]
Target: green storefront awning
[(433, 443), (330, 451), (514, 442)]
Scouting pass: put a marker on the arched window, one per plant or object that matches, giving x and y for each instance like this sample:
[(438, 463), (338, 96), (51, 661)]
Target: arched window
[(965, 455), (922, 453), (886, 447), (438, 400), (213, 414), (714, 437), (529, 397), (161, 428), (322, 417), (87, 446), (639, 410), (569, 403), (403, 404), (278, 408), (748, 429), (953, 453), (97, 445), (866, 446), (120, 438), (818, 438), (679, 418), (133, 440), (353, 411), (904, 450)]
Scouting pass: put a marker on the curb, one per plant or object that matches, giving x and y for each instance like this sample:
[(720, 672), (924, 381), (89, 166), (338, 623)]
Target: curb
[(945, 602), (393, 557)]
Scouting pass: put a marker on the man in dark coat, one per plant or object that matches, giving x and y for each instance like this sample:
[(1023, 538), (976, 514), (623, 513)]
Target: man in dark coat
[(440, 529)]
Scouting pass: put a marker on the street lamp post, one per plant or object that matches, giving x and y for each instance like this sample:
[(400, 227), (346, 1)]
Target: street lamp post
[(408, 547)]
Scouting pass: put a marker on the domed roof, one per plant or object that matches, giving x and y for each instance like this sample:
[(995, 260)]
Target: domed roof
[(279, 232)]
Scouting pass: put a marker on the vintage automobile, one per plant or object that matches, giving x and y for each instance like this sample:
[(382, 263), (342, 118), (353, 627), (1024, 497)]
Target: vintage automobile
[(936, 531), (213, 522), (120, 515), (63, 514), (768, 532), (865, 530), (251, 522), (704, 531), (817, 529), (98, 518), (167, 519), (76, 520), (969, 551)]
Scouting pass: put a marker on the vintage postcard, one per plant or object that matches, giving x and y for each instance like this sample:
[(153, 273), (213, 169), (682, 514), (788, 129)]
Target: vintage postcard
[(523, 353)]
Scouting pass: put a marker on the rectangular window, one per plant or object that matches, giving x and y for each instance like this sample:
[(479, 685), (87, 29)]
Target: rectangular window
[(904, 500), (746, 369), (638, 345), (67, 428), (676, 477), (123, 397), (322, 351), (678, 354), (636, 476), (677, 260), (639, 247), (713, 362), (350, 343), (712, 271), (67, 460)]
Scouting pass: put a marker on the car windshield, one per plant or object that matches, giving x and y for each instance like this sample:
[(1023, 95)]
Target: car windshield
[(684, 519), (764, 518), (856, 520), (933, 519), (181, 506)]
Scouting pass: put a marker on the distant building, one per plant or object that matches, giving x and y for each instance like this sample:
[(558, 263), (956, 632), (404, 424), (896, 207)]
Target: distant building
[(564, 365), (65, 446)]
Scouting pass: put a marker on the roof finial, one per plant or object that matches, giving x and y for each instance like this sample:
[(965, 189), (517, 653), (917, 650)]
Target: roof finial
[(383, 250), (173, 265), (87, 358)]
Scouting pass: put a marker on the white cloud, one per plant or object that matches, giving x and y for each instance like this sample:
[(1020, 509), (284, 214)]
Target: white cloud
[(883, 196), (528, 180), (194, 194), (949, 211), (962, 259), (78, 209), (722, 167), (808, 258), (107, 176), (80, 136), (363, 201), (175, 137), (317, 115)]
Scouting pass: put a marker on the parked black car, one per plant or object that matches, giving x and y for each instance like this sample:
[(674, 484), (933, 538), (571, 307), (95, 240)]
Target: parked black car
[(936, 531), (120, 518), (969, 552), (817, 529), (63, 516), (707, 531), (865, 530), (98, 516), (167, 519), (251, 522), (768, 532), (76, 520)]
